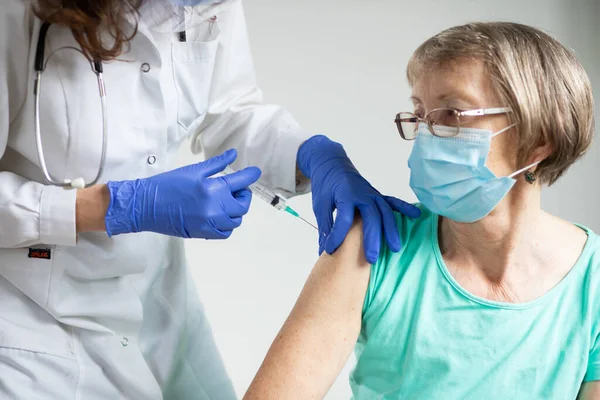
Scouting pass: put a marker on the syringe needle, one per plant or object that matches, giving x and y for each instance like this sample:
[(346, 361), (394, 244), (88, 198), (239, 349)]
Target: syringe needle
[(317, 229), (295, 214), (308, 223), (273, 199)]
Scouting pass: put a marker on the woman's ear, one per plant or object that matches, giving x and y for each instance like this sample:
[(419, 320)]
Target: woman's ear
[(538, 155)]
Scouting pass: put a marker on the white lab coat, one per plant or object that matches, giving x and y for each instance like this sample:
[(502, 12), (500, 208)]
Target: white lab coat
[(118, 318)]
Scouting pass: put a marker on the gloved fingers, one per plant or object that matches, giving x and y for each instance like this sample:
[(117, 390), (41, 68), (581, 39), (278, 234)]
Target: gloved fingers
[(324, 215), (322, 242), (226, 223), (341, 226), (239, 204), (236, 222), (217, 164), (371, 231), (390, 230), (216, 230), (242, 179), (221, 235), (403, 207)]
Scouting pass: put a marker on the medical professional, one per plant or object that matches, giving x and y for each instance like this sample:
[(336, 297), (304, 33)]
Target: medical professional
[(96, 96)]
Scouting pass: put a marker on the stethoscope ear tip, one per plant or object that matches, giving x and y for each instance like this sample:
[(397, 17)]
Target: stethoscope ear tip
[(78, 183)]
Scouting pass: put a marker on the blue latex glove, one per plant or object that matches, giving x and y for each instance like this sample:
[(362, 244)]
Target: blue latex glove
[(184, 202), (336, 184)]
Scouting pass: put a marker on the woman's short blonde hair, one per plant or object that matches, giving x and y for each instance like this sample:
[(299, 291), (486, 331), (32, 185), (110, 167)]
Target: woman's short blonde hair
[(544, 83)]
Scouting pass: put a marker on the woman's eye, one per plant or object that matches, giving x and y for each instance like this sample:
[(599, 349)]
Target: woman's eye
[(443, 117), (450, 114)]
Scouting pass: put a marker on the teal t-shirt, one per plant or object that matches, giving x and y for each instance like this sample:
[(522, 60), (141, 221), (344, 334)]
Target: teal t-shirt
[(424, 337)]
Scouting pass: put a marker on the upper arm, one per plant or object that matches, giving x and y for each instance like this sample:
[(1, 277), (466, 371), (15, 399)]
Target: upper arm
[(265, 135), (321, 331), (589, 391), (233, 75), (15, 37)]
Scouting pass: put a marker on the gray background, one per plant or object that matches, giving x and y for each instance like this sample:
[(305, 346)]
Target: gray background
[(339, 66)]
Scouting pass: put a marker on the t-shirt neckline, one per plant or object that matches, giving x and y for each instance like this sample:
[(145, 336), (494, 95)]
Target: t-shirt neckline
[(499, 304)]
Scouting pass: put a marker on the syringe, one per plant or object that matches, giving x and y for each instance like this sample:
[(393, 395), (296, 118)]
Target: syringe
[(271, 198)]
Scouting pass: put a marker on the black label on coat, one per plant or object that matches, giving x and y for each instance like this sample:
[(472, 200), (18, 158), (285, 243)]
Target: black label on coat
[(44, 254)]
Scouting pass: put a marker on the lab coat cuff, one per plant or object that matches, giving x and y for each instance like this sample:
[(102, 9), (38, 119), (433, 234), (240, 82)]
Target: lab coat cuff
[(284, 164), (57, 216)]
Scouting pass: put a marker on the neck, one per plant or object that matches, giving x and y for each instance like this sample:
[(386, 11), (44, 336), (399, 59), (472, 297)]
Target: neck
[(501, 247)]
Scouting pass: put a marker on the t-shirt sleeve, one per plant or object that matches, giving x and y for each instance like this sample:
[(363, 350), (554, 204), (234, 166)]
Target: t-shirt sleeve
[(593, 298), (382, 283), (377, 273), (593, 367), (380, 268)]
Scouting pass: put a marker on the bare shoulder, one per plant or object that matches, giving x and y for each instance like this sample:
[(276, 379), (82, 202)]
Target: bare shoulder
[(347, 264), (352, 249), (565, 240), (565, 227)]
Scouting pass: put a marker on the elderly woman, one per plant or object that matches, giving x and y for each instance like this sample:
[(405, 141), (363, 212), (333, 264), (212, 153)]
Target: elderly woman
[(490, 297)]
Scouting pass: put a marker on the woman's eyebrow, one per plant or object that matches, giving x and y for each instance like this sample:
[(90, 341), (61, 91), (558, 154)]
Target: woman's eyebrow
[(461, 97), (457, 98)]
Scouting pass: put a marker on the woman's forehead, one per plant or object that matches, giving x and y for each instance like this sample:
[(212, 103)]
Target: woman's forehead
[(465, 81)]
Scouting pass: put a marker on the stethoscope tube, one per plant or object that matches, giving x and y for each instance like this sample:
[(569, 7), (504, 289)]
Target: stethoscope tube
[(39, 66)]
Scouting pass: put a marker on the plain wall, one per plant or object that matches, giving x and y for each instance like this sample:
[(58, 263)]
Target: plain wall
[(339, 66)]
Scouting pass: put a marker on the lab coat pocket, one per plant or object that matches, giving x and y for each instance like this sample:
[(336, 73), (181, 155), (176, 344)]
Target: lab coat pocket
[(31, 375), (193, 65), (37, 360)]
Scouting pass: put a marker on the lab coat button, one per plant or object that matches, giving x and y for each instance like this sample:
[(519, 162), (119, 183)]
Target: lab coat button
[(145, 67), (151, 160), (124, 342)]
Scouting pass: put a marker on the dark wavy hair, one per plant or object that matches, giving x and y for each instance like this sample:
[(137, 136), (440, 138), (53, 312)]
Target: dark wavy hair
[(90, 20)]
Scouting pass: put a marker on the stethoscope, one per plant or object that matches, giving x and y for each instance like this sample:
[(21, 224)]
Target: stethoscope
[(40, 66)]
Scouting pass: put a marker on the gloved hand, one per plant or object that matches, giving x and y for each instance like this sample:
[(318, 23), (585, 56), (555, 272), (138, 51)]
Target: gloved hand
[(184, 202), (336, 184)]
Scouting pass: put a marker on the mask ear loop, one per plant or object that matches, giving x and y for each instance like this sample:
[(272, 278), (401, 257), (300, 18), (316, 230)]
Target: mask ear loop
[(524, 169), (503, 130)]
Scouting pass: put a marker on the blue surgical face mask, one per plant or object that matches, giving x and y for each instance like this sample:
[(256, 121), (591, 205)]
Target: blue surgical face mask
[(449, 175)]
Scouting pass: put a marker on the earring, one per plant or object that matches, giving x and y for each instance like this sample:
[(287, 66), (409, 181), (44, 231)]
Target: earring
[(530, 177)]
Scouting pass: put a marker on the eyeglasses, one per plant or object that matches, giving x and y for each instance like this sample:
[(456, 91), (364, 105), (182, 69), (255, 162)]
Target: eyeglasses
[(442, 122)]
